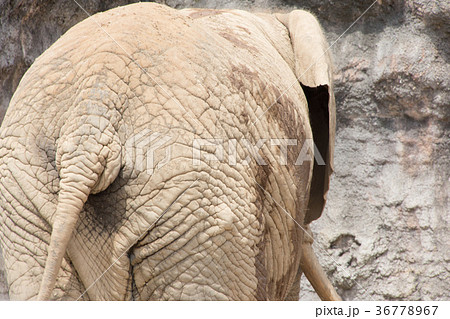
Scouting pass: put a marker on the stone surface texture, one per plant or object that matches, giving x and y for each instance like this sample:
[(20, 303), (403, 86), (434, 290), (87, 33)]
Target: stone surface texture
[(385, 232)]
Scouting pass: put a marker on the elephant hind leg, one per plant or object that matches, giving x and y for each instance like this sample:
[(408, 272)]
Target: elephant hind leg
[(198, 251), (193, 267)]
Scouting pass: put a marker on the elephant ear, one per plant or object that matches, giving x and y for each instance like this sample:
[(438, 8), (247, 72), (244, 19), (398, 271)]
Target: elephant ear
[(313, 69)]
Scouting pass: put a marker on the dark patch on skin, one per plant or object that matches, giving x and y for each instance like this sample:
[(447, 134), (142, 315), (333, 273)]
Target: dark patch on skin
[(244, 118), (263, 173), (281, 112), (262, 177), (243, 79), (244, 29), (294, 291), (284, 285), (238, 42), (134, 293), (281, 115), (240, 75), (318, 99), (261, 271), (200, 13), (105, 212), (270, 290), (244, 70)]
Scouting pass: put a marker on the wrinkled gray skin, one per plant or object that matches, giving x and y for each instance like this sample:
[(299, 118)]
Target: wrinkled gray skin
[(82, 217)]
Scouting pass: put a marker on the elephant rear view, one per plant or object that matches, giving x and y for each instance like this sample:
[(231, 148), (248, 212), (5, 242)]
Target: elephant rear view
[(161, 154)]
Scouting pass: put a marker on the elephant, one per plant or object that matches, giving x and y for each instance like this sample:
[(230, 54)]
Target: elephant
[(160, 154)]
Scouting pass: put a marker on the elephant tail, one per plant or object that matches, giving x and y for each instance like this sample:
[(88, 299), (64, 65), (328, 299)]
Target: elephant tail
[(88, 159)]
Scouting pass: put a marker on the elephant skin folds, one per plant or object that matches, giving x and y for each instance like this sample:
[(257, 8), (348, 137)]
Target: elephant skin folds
[(77, 129)]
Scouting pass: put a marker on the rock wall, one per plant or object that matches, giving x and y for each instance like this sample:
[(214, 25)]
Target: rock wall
[(385, 232)]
